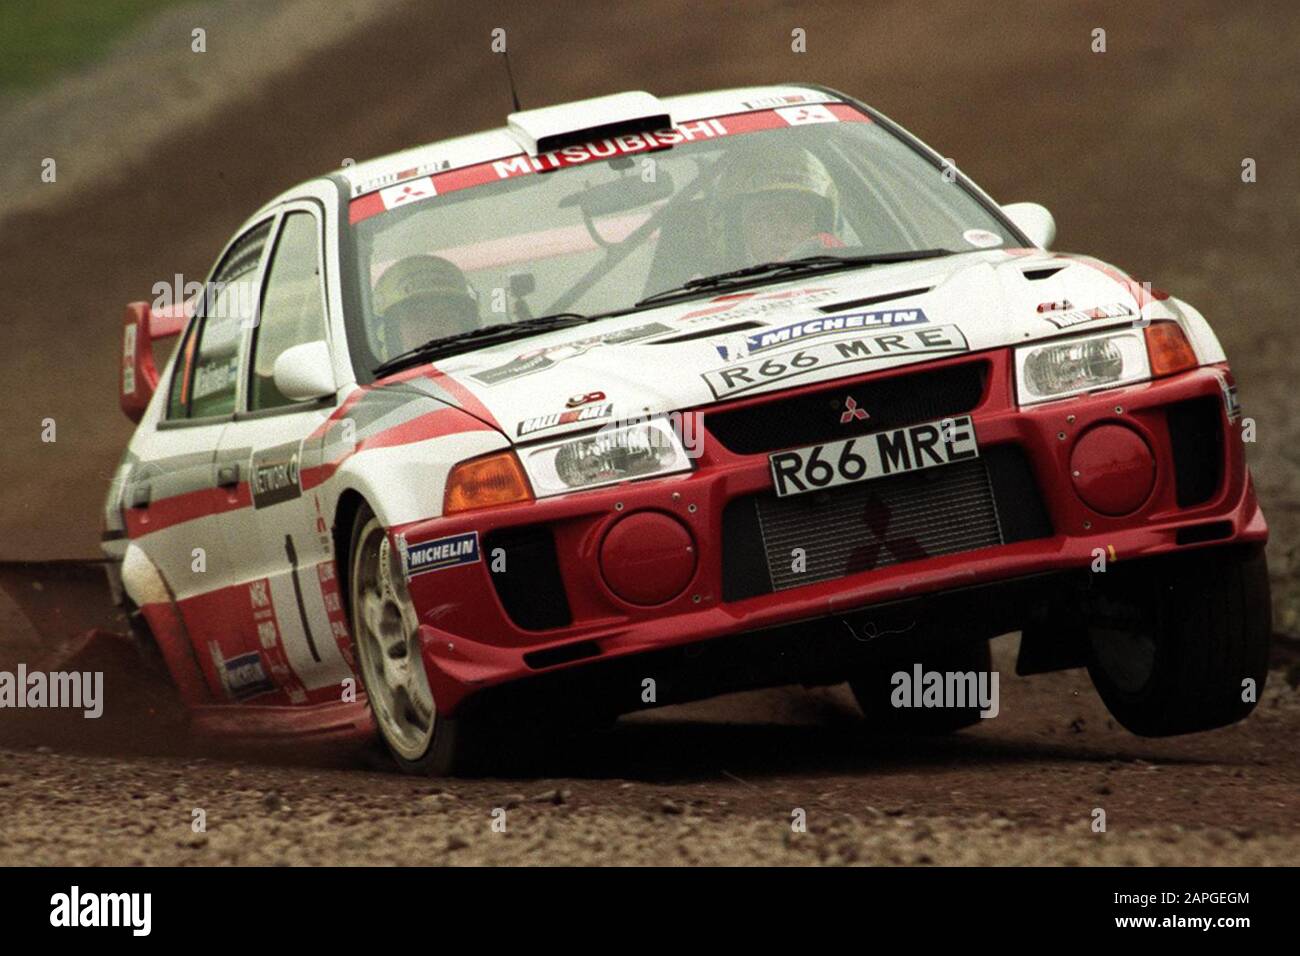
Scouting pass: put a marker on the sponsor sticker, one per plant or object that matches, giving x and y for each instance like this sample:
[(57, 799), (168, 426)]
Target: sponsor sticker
[(982, 238), (823, 325), (275, 655), (245, 676), (406, 193), (758, 373), (274, 477), (540, 423), (440, 553), (541, 359), (449, 180), (333, 601), (803, 115), (128, 360), (1231, 404), (608, 148), (578, 400), (242, 676), (768, 102), (215, 376), (397, 176), (747, 304), (1061, 306), (1073, 317)]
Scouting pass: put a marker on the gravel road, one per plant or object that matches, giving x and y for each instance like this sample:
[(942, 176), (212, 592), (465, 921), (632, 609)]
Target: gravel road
[(715, 783), (1139, 153)]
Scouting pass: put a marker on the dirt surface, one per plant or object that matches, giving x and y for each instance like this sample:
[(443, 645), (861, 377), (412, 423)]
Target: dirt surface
[(715, 783), (1139, 153)]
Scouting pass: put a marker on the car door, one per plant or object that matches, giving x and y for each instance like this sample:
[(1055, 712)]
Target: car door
[(289, 606), (174, 509)]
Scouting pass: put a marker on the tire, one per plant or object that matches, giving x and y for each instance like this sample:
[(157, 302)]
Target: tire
[(146, 646), (1197, 629), (383, 623), (873, 690)]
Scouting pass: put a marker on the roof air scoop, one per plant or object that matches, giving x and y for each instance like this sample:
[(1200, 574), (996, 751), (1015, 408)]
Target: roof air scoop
[(555, 127)]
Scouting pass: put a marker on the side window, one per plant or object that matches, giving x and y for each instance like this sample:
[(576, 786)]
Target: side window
[(207, 370), (293, 306), (178, 398)]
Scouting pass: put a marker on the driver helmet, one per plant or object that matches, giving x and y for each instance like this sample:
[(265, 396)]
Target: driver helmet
[(768, 197), (423, 297)]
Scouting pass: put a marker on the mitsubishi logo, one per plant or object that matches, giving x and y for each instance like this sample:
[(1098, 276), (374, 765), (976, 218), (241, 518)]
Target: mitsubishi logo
[(407, 192), (873, 552), (852, 412)]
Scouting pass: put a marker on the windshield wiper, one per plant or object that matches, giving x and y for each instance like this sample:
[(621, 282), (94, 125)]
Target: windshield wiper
[(784, 268), (446, 345)]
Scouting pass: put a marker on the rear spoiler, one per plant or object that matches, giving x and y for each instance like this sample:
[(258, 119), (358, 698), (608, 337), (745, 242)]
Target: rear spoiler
[(141, 328)]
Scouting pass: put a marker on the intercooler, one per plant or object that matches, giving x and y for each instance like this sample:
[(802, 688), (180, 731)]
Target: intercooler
[(772, 544)]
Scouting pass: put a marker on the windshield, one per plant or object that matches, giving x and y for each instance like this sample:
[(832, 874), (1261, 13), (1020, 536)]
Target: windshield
[(573, 231)]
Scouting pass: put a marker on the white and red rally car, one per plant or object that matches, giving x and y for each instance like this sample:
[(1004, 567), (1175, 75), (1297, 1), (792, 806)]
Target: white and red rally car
[(637, 401)]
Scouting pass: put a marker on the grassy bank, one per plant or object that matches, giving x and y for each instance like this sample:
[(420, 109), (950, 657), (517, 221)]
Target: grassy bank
[(41, 39)]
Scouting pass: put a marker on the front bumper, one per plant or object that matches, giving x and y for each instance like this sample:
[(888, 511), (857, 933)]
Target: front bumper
[(471, 642)]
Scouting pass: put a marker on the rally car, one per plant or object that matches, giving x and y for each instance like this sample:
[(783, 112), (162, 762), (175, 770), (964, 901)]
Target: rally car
[(636, 401)]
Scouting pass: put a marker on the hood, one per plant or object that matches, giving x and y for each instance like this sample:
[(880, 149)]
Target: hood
[(773, 337)]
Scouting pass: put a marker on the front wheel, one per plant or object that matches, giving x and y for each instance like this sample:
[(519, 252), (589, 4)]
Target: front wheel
[(384, 630), (1184, 648)]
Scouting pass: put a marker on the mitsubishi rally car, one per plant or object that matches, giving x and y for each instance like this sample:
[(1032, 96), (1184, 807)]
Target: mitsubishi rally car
[(637, 401)]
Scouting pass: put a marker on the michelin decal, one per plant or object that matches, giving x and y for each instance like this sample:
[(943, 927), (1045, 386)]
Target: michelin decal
[(772, 338), (440, 553)]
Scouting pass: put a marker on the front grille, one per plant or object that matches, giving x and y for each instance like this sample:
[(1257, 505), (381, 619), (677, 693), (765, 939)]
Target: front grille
[(983, 503), (816, 416), (875, 524)]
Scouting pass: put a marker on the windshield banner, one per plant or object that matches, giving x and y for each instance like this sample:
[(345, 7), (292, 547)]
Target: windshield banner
[(522, 164)]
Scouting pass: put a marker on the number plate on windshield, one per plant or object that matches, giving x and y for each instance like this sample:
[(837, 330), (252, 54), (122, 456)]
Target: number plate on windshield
[(877, 455)]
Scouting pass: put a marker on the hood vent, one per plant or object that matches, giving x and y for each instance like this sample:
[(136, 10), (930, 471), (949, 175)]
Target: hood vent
[(872, 300), (1035, 274)]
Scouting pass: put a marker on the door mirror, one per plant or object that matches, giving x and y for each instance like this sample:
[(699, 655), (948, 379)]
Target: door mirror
[(1034, 221), (305, 371)]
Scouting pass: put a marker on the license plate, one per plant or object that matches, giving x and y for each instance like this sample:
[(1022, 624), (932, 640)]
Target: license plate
[(878, 455)]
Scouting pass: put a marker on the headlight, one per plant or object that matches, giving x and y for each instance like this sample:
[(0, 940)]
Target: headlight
[(1057, 369), (605, 457)]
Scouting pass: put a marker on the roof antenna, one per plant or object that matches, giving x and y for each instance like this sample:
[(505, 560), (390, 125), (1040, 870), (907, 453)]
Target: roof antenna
[(514, 96)]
